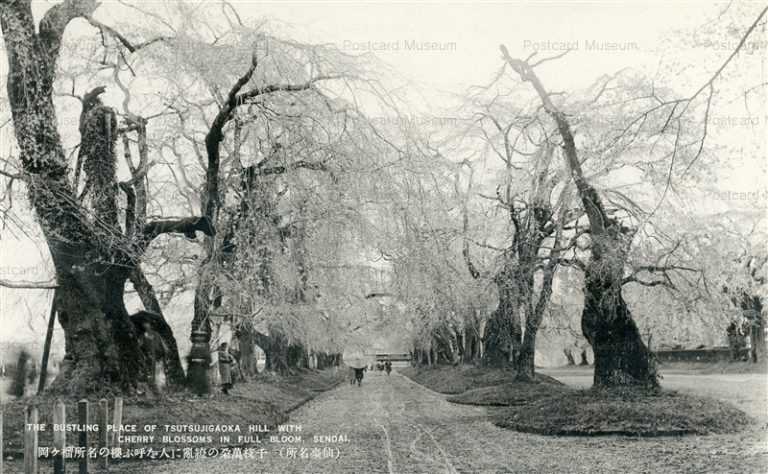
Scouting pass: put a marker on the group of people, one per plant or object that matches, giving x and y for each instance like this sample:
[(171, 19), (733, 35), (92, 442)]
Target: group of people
[(155, 350), (358, 372)]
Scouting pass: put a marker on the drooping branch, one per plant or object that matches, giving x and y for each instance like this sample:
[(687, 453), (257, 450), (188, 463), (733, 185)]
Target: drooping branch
[(662, 270), (215, 134), (270, 89), (129, 45)]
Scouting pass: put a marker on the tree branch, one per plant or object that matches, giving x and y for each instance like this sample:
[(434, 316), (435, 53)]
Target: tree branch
[(242, 98), (273, 170), (648, 283), (132, 47), (29, 285), (187, 226)]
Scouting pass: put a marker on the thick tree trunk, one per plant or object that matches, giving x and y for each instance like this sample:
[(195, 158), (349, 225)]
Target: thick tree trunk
[(524, 364), (275, 347), (497, 341), (247, 354), (584, 358), (324, 360), (503, 332), (471, 348), (758, 339), (101, 341), (502, 336), (569, 357), (173, 368), (621, 357), (752, 309), (172, 364), (297, 356), (277, 356)]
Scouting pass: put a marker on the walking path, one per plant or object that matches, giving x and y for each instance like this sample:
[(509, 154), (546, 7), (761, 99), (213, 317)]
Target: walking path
[(394, 425)]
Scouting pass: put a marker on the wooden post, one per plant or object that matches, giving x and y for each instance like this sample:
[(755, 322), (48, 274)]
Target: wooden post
[(30, 440), (59, 437), (47, 347), (103, 438), (82, 442), (117, 421), (1, 440)]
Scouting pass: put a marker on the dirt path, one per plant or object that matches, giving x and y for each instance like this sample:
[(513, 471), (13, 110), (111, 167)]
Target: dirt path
[(396, 426)]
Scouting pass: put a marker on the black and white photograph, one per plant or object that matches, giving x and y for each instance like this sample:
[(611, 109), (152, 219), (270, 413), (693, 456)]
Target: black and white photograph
[(399, 237)]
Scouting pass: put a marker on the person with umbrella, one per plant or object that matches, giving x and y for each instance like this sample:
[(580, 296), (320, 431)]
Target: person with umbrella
[(358, 370)]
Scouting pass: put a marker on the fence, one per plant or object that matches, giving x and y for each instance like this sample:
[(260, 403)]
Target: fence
[(716, 354), (107, 438)]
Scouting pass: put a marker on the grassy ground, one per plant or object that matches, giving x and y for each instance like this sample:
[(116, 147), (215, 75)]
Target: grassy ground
[(549, 407), (509, 394), (266, 400), (471, 385), (624, 412), (747, 391), (454, 380), (717, 368)]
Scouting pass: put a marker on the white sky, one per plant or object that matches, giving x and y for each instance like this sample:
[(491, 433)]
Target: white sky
[(477, 29)]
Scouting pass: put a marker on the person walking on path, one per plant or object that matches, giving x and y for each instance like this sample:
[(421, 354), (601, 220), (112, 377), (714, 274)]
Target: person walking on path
[(359, 375), (388, 366), (225, 368), (153, 347)]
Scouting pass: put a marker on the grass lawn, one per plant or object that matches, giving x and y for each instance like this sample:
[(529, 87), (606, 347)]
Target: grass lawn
[(509, 394), (595, 412), (454, 380), (547, 406)]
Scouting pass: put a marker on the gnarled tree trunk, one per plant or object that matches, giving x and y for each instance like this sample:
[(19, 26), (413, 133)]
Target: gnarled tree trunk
[(621, 357), (275, 347), (246, 342), (503, 332), (173, 368), (92, 257)]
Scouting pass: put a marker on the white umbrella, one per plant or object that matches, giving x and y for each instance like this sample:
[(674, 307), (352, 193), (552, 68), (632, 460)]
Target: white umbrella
[(357, 363)]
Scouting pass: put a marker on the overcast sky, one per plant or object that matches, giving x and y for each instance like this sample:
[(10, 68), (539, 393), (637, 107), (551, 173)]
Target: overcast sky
[(471, 33)]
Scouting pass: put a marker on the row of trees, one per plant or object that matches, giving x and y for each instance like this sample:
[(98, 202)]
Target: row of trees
[(258, 141), (307, 226), (599, 181)]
